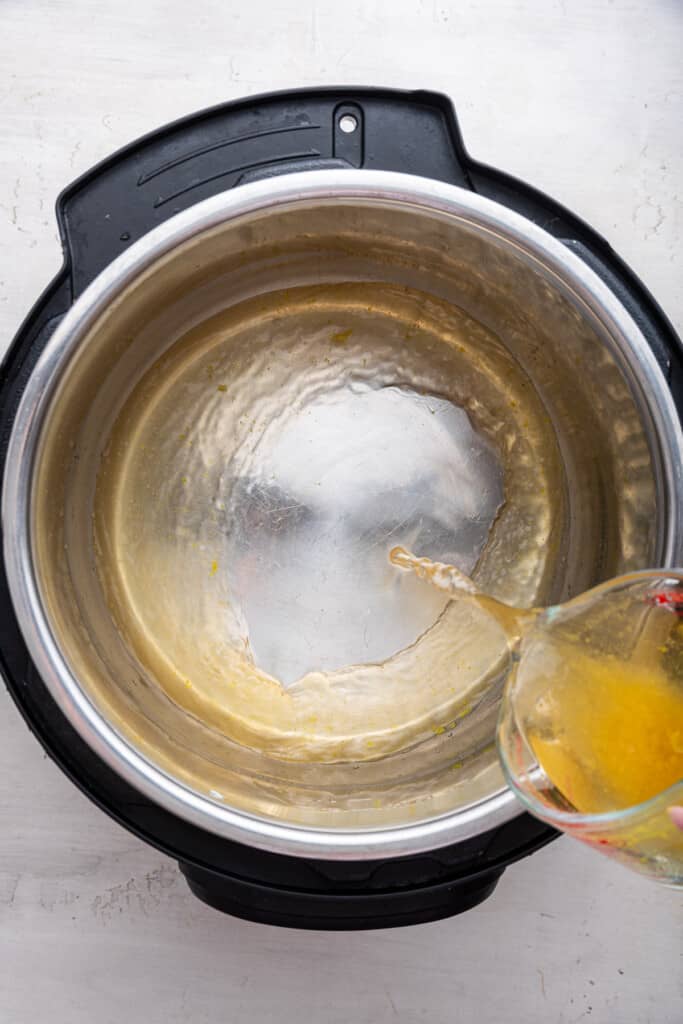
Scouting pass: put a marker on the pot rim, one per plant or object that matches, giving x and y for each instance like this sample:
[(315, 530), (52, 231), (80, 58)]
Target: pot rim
[(535, 245)]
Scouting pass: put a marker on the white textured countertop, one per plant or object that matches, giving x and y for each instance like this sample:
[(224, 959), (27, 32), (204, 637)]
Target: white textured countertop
[(584, 99)]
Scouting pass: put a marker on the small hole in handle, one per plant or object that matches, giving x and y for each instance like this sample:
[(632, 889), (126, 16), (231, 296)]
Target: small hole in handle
[(348, 123)]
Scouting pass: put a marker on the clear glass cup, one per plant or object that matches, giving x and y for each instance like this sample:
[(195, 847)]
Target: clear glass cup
[(591, 723)]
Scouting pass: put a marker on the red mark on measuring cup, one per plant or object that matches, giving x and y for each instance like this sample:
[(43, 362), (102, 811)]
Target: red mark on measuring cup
[(671, 599)]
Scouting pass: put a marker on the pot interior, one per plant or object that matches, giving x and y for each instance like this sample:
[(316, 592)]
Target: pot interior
[(238, 441)]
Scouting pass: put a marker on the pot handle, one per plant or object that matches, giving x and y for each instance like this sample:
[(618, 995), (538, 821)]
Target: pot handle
[(174, 167), (341, 910), (152, 179)]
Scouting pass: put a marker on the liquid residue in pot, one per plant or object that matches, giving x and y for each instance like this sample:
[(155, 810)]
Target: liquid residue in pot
[(254, 482)]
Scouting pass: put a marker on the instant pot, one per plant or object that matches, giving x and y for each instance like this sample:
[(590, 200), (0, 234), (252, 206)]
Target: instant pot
[(289, 333)]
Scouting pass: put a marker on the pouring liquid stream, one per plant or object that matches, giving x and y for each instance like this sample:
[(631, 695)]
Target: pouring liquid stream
[(449, 579), (598, 685)]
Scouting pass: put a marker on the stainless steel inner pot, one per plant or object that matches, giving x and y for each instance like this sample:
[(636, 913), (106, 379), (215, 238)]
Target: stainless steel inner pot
[(229, 431)]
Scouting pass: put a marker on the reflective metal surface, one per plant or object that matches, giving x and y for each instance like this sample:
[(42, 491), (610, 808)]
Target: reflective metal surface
[(237, 422), (281, 488)]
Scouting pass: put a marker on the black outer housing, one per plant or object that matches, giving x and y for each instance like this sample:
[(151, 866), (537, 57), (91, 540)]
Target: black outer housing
[(106, 210)]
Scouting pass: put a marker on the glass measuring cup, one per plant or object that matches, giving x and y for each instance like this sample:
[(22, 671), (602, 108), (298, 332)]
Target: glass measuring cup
[(590, 734)]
